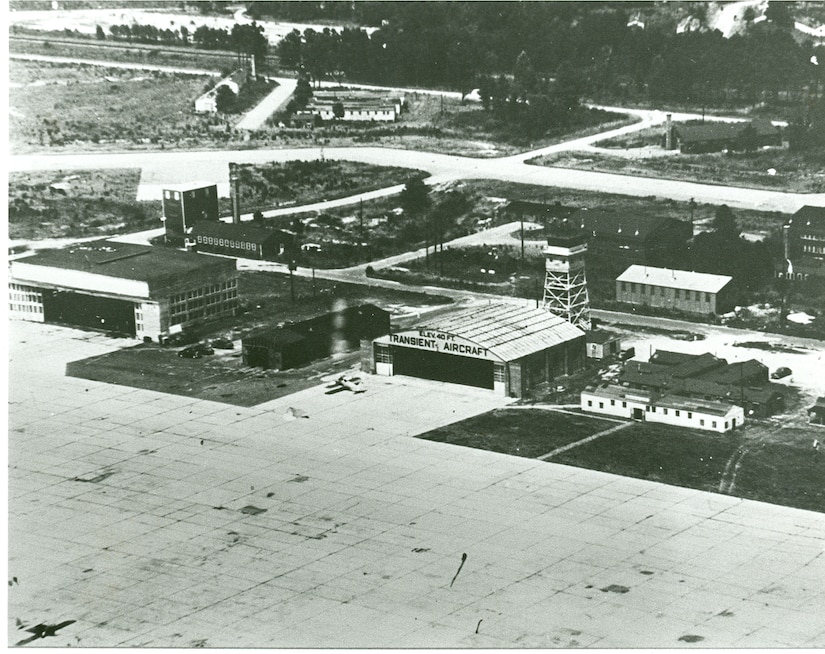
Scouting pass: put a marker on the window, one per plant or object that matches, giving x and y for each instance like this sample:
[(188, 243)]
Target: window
[(707, 297), (647, 408), (632, 287), (702, 422), (612, 402), (601, 405), (589, 402), (665, 411), (690, 415), (678, 413), (382, 354), (624, 405), (678, 294), (498, 373), (713, 424), (624, 286), (726, 424)]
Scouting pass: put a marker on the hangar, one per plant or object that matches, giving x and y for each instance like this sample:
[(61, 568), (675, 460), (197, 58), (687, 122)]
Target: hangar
[(510, 349), (138, 290)]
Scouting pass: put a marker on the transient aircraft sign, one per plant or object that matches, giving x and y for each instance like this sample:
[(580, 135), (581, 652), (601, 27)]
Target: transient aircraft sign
[(435, 341)]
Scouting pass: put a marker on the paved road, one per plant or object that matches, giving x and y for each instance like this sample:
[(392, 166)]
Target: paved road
[(162, 168), (257, 116)]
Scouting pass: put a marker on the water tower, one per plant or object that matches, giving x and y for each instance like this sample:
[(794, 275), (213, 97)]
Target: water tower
[(565, 284)]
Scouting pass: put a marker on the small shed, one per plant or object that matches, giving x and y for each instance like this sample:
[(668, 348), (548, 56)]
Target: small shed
[(603, 344), (816, 413)]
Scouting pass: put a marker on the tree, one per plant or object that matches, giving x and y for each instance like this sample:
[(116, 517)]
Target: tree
[(258, 217), (225, 99), (290, 50), (724, 224), (250, 40), (415, 198), (777, 13), (303, 92), (338, 110), (99, 33)]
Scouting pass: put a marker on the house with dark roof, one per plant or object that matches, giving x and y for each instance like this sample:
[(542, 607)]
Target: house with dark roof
[(717, 136), (626, 238), (239, 240)]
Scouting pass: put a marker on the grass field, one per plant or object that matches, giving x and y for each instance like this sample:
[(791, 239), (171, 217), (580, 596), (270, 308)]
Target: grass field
[(529, 433), (63, 204), (797, 172), (763, 461), (69, 105)]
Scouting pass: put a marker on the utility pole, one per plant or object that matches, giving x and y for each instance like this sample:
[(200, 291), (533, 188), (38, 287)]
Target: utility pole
[(361, 229), (292, 268)]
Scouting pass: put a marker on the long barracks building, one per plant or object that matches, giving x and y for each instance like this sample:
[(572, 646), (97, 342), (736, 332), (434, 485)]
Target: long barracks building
[(510, 349)]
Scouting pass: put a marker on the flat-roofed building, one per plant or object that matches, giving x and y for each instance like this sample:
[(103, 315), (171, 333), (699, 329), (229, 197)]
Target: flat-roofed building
[(138, 290), (669, 409), (681, 290), (512, 350)]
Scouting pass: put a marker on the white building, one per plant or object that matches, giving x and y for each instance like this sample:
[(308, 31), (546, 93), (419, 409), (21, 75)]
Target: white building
[(621, 402)]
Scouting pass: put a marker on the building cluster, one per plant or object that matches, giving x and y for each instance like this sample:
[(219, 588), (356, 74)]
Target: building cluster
[(191, 218), (353, 106), (688, 390)]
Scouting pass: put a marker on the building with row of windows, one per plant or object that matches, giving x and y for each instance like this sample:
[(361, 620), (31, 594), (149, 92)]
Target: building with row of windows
[(668, 409), (239, 240), (682, 290), (135, 290)]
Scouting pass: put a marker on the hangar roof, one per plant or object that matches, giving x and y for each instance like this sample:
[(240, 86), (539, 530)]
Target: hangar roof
[(142, 263), (508, 331), (682, 279)]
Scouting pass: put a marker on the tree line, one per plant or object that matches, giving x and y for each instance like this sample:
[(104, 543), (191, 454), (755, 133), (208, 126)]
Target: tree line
[(452, 44), (246, 39)]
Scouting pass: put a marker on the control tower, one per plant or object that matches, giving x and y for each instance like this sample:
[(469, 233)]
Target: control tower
[(565, 284)]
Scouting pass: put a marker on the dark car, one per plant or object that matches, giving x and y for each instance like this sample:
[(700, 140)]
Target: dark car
[(223, 344), (780, 372), (195, 351)]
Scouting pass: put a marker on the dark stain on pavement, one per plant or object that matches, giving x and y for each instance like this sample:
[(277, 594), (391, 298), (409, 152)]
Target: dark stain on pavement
[(96, 479), (691, 638), (252, 510), (299, 479), (615, 588)]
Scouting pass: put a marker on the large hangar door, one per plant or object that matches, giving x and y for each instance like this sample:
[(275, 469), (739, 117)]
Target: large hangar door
[(442, 367), (80, 310)]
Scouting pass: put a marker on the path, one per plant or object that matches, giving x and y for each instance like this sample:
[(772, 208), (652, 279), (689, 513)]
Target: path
[(256, 117), (583, 441)]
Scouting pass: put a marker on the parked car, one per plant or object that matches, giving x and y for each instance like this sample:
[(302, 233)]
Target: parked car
[(195, 351), (780, 372), (223, 343)]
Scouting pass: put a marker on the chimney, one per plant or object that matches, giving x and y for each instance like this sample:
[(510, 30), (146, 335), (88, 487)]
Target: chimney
[(235, 192), (786, 240), (669, 132)]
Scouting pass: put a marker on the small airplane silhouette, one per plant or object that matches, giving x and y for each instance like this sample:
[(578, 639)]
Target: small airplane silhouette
[(42, 630), (346, 383)]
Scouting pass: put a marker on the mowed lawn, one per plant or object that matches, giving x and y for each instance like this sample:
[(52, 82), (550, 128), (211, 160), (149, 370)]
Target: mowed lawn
[(530, 433), (761, 462)]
